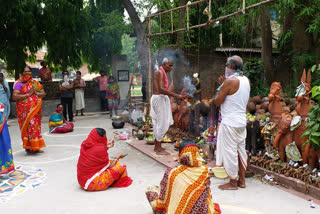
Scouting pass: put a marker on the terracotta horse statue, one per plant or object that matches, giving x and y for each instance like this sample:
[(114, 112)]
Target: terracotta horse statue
[(274, 102), (303, 106)]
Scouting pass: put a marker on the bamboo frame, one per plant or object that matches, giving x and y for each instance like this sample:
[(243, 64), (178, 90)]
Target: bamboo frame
[(205, 24), (176, 8), (150, 35)]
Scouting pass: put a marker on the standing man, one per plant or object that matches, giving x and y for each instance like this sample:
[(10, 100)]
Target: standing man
[(66, 86), (79, 84), (233, 98), (160, 107), (102, 81), (44, 72)]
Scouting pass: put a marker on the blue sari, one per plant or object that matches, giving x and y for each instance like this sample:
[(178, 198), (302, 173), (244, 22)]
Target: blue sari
[(6, 158), (5, 97)]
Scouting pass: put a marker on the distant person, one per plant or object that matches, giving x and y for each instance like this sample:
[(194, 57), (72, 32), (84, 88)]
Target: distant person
[(66, 86), (28, 94), (79, 84), (6, 158), (44, 72), (113, 95), (102, 81), (95, 171), (5, 95), (186, 188), (57, 123), (233, 99)]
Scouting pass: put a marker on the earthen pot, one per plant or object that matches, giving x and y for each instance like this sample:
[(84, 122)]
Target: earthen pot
[(265, 105), (251, 107), (117, 122), (260, 112), (257, 99)]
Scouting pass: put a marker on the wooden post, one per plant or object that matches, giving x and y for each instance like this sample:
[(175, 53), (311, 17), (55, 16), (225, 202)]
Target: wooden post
[(149, 67)]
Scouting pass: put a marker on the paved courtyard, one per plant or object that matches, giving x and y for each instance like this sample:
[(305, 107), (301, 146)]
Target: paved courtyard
[(59, 191)]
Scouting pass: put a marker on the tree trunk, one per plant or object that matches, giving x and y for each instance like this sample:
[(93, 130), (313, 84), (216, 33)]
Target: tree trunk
[(139, 28), (284, 60), (266, 36), (104, 63), (180, 35)]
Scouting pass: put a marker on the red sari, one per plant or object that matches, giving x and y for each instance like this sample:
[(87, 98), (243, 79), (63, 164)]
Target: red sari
[(93, 169), (29, 113)]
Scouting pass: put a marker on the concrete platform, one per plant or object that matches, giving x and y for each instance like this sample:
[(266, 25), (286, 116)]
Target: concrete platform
[(60, 193)]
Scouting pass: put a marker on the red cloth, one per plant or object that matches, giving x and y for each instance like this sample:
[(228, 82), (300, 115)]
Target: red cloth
[(165, 77), (45, 74), (93, 157)]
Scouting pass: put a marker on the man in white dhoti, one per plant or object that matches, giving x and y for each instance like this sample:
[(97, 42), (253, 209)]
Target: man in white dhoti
[(79, 84), (160, 107), (233, 98)]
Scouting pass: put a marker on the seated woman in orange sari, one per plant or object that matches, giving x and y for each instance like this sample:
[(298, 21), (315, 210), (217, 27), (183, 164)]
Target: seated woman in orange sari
[(186, 188), (28, 94), (94, 170)]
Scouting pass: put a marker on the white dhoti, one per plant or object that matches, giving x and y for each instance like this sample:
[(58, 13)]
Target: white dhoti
[(161, 115), (231, 145), (79, 96)]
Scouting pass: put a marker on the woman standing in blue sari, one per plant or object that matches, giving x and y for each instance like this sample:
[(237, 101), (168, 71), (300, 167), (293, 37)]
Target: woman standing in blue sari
[(6, 159), (5, 95)]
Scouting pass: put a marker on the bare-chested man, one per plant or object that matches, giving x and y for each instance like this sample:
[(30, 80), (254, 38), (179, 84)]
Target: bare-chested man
[(160, 107), (233, 98)]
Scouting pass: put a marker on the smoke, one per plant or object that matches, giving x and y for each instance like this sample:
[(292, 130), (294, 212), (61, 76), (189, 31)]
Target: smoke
[(188, 85), (181, 67)]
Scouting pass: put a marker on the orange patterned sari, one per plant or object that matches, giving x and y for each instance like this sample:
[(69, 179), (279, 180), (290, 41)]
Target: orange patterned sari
[(184, 189), (29, 113)]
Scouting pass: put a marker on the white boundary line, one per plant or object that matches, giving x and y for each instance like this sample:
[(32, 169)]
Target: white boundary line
[(52, 161), (47, 134)]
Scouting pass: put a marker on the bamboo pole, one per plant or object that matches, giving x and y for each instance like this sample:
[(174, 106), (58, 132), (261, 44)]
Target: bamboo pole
[(149, 66), (160, 23), (217, 19), (176, 8), (187, 18), (171, 22), (244, 6)]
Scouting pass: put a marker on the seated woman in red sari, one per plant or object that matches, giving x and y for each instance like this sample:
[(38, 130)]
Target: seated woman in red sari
[(57, 123), (95, 171), (28, 94), (186, 188)]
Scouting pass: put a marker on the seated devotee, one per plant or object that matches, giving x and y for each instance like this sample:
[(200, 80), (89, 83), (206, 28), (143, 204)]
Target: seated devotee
[(57, 123), (186, 188), (95, 170), (6, 159)]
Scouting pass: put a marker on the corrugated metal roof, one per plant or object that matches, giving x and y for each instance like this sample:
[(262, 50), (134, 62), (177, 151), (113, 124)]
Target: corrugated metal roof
[(251, 50), (254, 50)]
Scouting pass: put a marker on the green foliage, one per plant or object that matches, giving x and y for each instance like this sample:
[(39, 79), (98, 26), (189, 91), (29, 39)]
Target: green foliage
[(106, 27), (129, 49), (21, 30), (66, 32), (313, 132), (255, 72)]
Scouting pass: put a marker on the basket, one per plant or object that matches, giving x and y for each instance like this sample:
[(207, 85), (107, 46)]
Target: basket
[(219, 172)]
